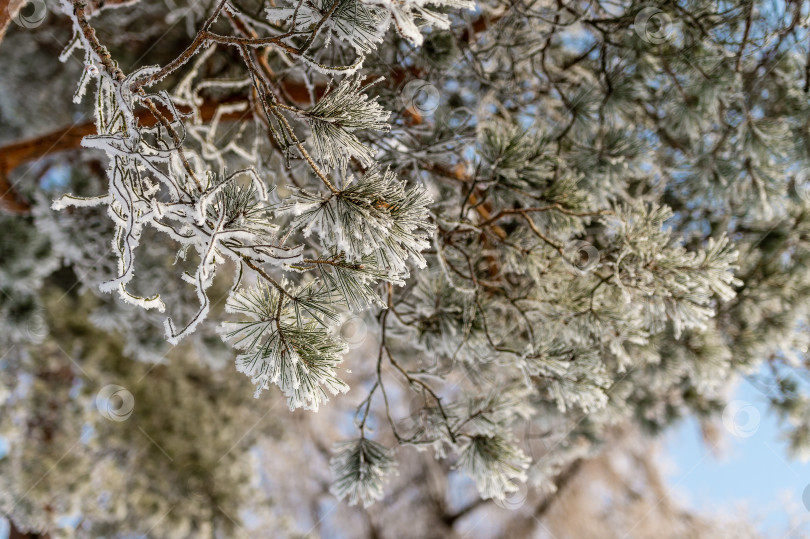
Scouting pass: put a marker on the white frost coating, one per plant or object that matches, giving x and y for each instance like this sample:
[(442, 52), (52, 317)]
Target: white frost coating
[(172, 335), (87, 75), (357, 23), (372, 231), (350, 69), (207, 197), (79, 202), (335, 118), (144, 303), (427, 12), (299, 359), (378, 217), (68, 50)]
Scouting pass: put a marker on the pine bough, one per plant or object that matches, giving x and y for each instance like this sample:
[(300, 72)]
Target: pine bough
[(330, 244)]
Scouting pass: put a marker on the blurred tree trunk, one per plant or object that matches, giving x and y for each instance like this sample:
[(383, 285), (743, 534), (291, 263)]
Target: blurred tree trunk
[(8, 9), (14, 533)]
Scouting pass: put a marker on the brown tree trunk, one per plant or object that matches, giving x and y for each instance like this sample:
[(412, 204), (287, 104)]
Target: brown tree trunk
[(15, 533)]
